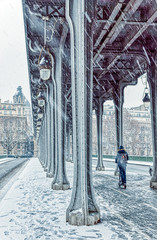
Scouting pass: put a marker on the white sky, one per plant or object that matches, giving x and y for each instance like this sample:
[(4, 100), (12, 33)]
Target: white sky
[(13, 61), (133, 95)]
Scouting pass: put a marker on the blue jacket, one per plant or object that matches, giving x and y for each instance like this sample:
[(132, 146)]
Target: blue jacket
[(122, 158)]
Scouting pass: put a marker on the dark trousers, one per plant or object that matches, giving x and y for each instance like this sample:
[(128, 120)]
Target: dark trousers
[(122, 170)]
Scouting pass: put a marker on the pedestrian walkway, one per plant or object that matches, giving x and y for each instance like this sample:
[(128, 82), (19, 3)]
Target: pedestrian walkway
[(32, 210)]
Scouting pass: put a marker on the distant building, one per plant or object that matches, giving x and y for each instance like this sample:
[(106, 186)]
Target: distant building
[(16, 126), (137, 134), (140, 114)]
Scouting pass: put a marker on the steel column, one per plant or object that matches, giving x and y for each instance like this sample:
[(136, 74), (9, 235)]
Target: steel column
[(152, 79), (118, 102), (99, 117), (68, 158), (50, 132), (60, 181), (83, 209)]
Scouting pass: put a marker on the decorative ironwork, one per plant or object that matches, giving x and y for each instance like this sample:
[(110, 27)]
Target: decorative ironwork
[(101, 13), (123, 64), (45, 9)]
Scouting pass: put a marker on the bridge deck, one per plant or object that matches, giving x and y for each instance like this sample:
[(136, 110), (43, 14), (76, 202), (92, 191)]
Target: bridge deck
[(31, 210)]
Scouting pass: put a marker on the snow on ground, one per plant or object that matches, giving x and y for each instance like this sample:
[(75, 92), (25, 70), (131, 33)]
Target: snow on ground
[(32, 210)]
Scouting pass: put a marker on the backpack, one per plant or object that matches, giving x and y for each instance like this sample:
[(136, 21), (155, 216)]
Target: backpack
[(123, 158)]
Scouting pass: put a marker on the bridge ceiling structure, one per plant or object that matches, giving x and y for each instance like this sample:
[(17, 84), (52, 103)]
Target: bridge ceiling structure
[(124, 39), (124, 42)]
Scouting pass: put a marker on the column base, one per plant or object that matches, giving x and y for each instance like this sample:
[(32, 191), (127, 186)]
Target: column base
[(50, 175), (153, 184), (56, 186), (100, 168), (45, 169), (77, 218)]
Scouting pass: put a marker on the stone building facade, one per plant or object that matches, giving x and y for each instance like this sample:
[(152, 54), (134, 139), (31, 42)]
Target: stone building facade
[(16, 137), (137, 133)]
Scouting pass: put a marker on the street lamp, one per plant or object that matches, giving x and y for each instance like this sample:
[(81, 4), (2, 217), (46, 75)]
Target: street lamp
[(38, 123), (41, 100), (44, 61), (146, 98), (40, 113), (45, 66)]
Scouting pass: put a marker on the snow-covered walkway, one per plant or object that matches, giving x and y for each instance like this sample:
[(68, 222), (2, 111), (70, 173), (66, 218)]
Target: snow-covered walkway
[(32, 210)]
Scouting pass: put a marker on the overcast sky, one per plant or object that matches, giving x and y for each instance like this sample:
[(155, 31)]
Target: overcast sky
[(13, 62)]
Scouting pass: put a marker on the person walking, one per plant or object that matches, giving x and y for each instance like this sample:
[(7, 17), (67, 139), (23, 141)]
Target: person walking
[(121, 159)]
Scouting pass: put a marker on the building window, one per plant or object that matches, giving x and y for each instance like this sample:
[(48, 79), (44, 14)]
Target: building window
[(19, 111)]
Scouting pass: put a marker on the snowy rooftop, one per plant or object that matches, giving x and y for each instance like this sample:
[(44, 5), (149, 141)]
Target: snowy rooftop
[(31, 210)]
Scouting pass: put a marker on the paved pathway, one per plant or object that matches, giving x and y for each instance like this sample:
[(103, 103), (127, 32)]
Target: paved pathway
[(31, 210)]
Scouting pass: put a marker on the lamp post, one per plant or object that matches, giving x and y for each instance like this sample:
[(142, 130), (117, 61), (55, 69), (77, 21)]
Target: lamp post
[(45, 65), (46, 68), (40, 113), (39, 123), (146, 98), (41, 100)]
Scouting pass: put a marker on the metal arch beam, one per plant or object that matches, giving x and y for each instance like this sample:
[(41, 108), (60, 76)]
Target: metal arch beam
[(121, 25), (129, 22), (133, 4), (132, 40), (130, 79), (112, 17), (129, 75), (129, 52), (144, 66), (107, 94)]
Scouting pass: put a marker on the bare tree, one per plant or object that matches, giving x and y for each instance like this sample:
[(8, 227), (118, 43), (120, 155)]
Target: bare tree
[(9, 141), (13, 134), (131, 133)]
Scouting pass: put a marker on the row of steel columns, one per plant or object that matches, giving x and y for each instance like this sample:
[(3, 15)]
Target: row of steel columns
[(53, 142), (118, 99), (53, 139)]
